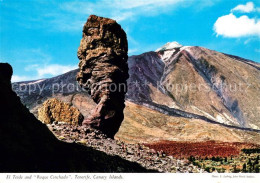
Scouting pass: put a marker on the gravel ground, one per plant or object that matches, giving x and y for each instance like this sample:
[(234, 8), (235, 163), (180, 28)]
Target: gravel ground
[(148, 158)]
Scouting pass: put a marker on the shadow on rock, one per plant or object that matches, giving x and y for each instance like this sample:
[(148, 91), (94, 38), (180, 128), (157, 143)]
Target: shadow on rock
[(27, 145)]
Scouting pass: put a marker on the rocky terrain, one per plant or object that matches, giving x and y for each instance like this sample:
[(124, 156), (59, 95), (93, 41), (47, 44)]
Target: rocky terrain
[(27, 145), (104, 71), (139, 153)]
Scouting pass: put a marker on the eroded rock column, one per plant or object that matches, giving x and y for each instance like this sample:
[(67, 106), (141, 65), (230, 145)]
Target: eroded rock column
[(104, 71)]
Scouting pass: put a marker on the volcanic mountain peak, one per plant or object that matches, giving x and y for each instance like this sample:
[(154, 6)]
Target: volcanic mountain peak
[(169, 50), (169, 46)]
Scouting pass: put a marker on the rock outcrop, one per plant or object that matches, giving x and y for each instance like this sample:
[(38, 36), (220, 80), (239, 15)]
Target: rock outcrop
[(104, 71), (56, 110), (27, 145), (6, 73)]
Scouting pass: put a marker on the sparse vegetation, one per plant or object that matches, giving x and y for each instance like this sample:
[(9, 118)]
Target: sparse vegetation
[(250, 151), (244, 162), (212, 156)]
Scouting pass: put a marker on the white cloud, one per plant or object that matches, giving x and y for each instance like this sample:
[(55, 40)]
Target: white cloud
[(132, 51), (43, 71), (123, 16), (63, 25), (247, 8), (31, 67), (126, 4), (119, 10), (232, 26), (69, 16), (80, 7), (16, 78), (247, 41), (30, 55), (239, 26), (54, 69), (37, 64)]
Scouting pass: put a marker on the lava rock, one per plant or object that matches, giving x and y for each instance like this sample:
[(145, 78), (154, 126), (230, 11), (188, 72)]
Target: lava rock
[(56, 110), (104, 71), (87, 136)]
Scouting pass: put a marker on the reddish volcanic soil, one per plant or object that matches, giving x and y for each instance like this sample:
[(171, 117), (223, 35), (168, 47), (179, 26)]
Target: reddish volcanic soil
[(200, 149)]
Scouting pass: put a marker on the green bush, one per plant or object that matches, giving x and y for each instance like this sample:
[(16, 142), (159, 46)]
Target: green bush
[(244, 168), (208, 169), (250, 151), (257, 167)]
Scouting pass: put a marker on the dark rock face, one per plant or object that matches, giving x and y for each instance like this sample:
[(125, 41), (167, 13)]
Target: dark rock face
[(104, 71), (27, 145), (6, 73)]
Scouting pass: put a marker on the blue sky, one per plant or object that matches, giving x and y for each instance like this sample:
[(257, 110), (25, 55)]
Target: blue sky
[(40, 38)]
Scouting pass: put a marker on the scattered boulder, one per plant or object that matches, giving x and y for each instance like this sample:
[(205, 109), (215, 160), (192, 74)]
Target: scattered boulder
[(104, 71), (55, 110)]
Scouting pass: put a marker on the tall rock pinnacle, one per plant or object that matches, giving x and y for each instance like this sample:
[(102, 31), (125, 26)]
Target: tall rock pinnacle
[(104, 71)]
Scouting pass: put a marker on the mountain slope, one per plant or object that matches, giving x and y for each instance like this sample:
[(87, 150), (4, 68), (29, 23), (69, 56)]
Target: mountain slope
[(143, 124), (185, 82), (197, 80), (220, 87)]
